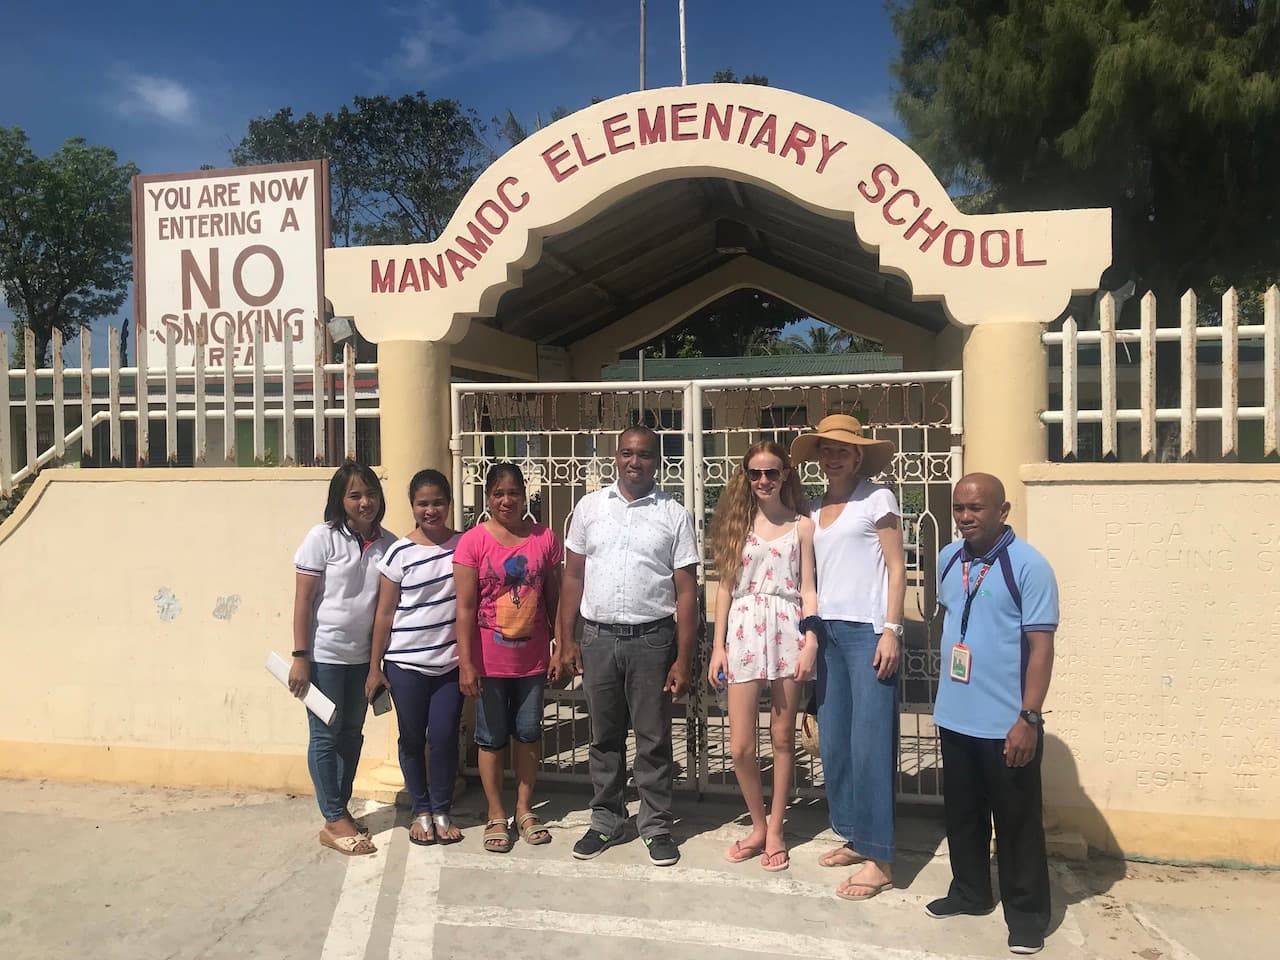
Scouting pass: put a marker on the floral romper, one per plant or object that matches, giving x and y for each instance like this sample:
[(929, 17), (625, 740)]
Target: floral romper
[(763, 638)]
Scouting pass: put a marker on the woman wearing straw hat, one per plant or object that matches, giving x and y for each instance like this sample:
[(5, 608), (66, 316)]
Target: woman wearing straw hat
[(861, 593)]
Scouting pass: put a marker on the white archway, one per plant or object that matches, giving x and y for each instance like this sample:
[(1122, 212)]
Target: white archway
[(1001, 267)]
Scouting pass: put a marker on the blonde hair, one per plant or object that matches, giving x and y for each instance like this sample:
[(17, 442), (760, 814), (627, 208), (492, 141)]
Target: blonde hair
[(736, 509)]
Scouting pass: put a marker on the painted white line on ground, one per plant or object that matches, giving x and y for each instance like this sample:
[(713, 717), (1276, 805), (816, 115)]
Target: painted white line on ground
[(413, 934), (696, 933), (1174, 950), (352, 921), (643, 873)]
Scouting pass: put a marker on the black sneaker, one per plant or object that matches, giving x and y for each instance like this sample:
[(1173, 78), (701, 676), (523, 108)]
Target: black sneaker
[(945, 907), (1025, 943), (594, 843), (663, 851)]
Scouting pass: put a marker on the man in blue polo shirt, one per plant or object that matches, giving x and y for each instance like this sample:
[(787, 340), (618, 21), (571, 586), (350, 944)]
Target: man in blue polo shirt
[(1001, 603)]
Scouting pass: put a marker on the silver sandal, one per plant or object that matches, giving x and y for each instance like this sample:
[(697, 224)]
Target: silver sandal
[(443, 824), (424, 821)]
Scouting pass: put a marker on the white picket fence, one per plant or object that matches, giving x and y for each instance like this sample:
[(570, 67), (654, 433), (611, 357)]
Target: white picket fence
[(1117, 404), (212, 398)]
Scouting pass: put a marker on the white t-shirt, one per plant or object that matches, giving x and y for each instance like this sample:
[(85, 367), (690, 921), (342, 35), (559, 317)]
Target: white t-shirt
[(632, 550), (424, 633), (853, 580), (347, 597)]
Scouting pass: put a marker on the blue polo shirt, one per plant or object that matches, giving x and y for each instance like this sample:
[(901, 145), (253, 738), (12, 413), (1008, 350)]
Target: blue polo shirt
[(989, 704)]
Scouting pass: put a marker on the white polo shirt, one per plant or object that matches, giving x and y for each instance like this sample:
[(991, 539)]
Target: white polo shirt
[(632, 551), (347, 597)]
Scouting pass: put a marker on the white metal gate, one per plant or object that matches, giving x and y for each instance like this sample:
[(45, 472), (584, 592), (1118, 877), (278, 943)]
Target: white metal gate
[(563, 437)]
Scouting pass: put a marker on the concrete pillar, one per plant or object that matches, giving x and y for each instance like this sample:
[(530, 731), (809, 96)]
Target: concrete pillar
[(413, 400), (1006, 388), (413, 397)]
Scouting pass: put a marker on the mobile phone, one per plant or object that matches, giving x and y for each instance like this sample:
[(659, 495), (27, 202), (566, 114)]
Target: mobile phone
[(381, 701)]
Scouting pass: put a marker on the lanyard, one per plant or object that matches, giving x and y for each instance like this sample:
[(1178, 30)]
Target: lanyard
[(968, 597)]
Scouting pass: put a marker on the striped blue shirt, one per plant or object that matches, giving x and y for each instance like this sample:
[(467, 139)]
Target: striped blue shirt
[(423, 634)]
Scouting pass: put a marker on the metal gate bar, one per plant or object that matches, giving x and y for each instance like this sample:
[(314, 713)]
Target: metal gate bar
[(563, 436)]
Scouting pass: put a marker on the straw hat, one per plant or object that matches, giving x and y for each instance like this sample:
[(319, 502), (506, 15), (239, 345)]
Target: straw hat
[(842, 428)]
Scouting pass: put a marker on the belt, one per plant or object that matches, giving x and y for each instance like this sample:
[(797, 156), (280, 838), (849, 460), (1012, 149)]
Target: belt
[(632, 629)]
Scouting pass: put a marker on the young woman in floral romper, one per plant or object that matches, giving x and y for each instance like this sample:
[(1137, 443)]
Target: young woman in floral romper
[(763, 546)]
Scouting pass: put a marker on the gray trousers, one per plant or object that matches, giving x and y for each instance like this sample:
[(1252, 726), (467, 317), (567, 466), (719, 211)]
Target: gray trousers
[(623, 679)]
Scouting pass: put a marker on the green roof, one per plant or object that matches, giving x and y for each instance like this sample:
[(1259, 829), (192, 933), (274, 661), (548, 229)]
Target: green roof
[(785, 365)]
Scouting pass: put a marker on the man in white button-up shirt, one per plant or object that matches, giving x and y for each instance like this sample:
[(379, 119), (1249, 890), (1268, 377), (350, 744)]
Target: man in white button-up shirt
[(631, 563)]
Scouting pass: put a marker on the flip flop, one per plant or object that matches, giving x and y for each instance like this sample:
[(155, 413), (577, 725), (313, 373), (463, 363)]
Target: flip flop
[(444, 823), (874, 890), (497, 836), (851, 857), (767, 861), (531, 827), (741, 853), (356, 846), (424, 821)]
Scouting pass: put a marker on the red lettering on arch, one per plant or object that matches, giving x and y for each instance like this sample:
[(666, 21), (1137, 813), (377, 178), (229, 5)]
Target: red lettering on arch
[(478, 242), (409, 278), (652, 131), (512, 205), (384, 281), (433, 273), (878, 172), (459, 263), (887, 209), (984, 248), (723, 121), (948, 248)]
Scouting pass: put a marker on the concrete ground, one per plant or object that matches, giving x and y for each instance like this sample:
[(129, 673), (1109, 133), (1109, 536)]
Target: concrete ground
[(139, 873)]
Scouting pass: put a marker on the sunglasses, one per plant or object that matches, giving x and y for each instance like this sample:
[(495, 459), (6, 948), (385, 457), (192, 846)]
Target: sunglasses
[(772, 474)]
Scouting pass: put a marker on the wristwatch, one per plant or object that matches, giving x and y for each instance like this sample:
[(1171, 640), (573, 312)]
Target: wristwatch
[(1032, 717), (896, 628)]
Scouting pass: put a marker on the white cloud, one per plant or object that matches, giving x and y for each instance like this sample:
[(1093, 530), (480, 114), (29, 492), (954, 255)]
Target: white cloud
[(511, 30), (158, 97)]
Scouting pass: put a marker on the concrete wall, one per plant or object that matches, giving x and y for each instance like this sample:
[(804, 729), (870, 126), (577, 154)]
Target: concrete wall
[(138, 608), (1164, 739)]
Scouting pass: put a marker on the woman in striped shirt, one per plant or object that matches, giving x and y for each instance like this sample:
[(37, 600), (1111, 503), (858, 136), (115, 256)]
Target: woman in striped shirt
[(415, 643)]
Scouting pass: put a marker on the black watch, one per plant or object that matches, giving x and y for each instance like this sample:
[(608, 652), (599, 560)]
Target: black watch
[(1032, 717)]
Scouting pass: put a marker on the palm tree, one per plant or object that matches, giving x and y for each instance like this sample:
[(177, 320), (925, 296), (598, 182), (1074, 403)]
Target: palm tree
[(819, 338)]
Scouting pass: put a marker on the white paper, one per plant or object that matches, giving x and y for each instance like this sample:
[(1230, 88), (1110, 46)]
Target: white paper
[(316, 702)]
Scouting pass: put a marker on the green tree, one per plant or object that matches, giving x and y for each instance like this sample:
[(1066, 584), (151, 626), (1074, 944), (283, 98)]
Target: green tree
[(397, 168), (818, 338), (511, 130), (1166, 111), (741, 323), (65, 236), (727, 76)]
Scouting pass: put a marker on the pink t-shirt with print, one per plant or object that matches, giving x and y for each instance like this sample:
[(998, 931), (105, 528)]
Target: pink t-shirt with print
[(514, 638)]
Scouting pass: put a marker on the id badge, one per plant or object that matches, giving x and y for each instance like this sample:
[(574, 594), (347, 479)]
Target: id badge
[(960, 663)]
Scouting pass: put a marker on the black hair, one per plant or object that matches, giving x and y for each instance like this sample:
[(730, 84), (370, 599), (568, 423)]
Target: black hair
[(642, 430), (430, 478), (334, 514), (500, 470)]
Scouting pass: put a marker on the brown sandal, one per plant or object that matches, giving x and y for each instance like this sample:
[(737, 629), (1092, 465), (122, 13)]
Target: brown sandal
[(530, 827), (497, 836), (356, 846)]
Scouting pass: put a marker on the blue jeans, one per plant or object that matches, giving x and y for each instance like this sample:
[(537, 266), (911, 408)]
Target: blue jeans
[(427, 710), (334, 751), (509, 706), (858, 738)]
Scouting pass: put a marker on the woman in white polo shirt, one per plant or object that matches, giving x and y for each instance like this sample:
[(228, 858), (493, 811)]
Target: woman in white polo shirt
[(334, 601), (861, 592)]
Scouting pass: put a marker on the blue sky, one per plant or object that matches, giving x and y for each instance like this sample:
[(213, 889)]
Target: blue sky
[(173, 85)]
